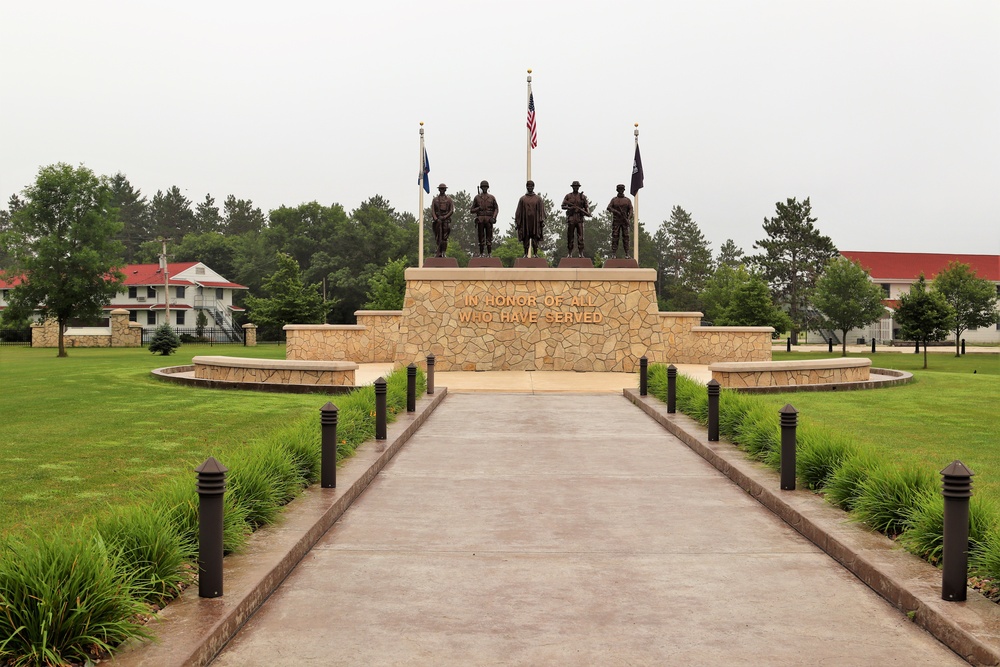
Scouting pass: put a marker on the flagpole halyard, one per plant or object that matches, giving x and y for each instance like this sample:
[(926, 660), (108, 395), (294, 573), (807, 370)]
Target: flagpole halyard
[(636, 165), (420, 187), (531, 122)]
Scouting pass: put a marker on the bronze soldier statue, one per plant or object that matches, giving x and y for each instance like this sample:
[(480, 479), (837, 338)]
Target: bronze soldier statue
[(529, 219), (484, 207), (442, 208), (577, 207), (621, 220)]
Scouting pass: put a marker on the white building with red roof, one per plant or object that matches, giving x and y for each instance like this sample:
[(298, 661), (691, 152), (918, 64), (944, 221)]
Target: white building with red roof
[(188, 287), (897, 271)]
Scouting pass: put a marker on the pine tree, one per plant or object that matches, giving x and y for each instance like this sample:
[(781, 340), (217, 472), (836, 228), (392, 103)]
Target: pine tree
[(795, 254), (687, 262), (165, 341)]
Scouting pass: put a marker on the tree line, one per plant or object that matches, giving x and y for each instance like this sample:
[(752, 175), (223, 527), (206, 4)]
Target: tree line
[(321, 262)]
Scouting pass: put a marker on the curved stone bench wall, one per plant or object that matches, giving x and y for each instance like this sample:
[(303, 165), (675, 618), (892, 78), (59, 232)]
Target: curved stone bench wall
[(274, 371), (790, 373)]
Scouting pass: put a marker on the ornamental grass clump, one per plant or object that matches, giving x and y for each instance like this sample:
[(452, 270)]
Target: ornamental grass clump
[(758, 432), (261, 480), (924, 534), (819, 454), (65, 598), (844, 485), (888, 497), (178, 500), (151, 549)]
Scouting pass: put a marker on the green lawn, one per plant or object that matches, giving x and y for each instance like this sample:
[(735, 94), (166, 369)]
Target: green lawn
[(95, 428), (946, 413)]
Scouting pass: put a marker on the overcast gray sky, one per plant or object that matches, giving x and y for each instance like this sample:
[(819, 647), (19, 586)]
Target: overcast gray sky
[(886, 114)]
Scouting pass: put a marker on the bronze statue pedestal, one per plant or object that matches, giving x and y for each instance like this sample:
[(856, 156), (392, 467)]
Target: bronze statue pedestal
[(485, 263), (615, 263), (576, 263), (440, 263), (531, 263)]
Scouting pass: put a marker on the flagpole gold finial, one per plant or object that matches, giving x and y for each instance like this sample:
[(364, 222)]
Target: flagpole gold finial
[(637, 130), (529, 75)]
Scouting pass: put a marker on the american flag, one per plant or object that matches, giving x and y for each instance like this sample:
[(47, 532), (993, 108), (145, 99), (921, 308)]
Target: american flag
[(531, 120)]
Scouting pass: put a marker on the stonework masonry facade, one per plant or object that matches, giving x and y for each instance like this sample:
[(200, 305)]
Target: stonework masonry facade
[(529, 319)]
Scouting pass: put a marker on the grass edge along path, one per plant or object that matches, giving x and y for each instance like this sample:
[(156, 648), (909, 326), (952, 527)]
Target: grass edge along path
[(901, 501), (75, 593)]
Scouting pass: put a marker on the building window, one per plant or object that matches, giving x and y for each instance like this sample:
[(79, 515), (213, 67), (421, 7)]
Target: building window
[(133, 292), (180, 291), (150, 292), (885, 290), (180, 318), (150, 317), (219, 294), (133, 316)]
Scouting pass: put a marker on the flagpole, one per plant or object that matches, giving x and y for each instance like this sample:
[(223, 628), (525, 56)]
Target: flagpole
[(528, 101), (635, 206), (420, 187)]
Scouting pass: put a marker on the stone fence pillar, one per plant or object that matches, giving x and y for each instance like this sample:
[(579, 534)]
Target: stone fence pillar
[(123, 332), (250, 335)]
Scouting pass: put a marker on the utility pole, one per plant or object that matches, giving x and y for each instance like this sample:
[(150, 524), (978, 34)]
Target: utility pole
[(166, 279)]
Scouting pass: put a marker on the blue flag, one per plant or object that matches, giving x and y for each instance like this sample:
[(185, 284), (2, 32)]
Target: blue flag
[(427, 170)]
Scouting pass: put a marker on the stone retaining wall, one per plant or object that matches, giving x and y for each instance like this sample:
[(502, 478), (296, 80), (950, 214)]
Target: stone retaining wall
[(274, 371), (372, 340), (791, 373), (121, 333)]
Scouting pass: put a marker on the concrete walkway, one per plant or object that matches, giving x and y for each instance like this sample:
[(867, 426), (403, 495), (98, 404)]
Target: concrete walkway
[(559, 529)]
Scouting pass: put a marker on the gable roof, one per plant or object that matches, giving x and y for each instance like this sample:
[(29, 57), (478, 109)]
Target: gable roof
[(907, 266), (140, 275)]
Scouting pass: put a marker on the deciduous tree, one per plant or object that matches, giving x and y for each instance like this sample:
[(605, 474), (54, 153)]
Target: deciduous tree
[(973, 299), (387, 287), (794, 255), (288, 300), (847, 298), (924, 315), (64, 246)]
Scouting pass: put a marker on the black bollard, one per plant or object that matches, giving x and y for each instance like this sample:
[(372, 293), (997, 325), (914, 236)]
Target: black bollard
[(916, 347), (643, 375), (956, 487), (713, 409), (328, 447), (963, 347), (211, 485), (829, 347), (873, 346), (411, 388), (671, 389), (430, 374), (788, 345), (380, 409), (789, 417)]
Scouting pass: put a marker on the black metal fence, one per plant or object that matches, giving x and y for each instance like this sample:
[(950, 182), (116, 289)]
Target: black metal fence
[(15, 336), (208, 335)]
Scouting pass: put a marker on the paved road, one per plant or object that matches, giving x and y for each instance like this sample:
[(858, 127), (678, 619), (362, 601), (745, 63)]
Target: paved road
[(565, 529)]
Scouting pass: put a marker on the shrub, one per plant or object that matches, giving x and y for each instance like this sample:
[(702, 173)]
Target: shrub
[(151, 548), (889, 496), (165, 341), (65, 597), (819, 454)]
